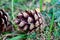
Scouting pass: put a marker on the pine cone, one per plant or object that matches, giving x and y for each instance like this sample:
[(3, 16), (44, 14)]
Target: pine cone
[(29, 20), (4, 22)]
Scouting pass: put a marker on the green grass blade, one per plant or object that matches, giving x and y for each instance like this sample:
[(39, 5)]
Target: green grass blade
[(41, 3), (51, 25), (19, 37), (52, 22), (12, 9)]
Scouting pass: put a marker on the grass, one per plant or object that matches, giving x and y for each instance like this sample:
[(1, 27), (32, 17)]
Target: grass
[(12, 9), (41, 3), (51, 26)]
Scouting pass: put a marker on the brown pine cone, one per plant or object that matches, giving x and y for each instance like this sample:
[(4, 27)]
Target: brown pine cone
[(4, 22), (29, 20)]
